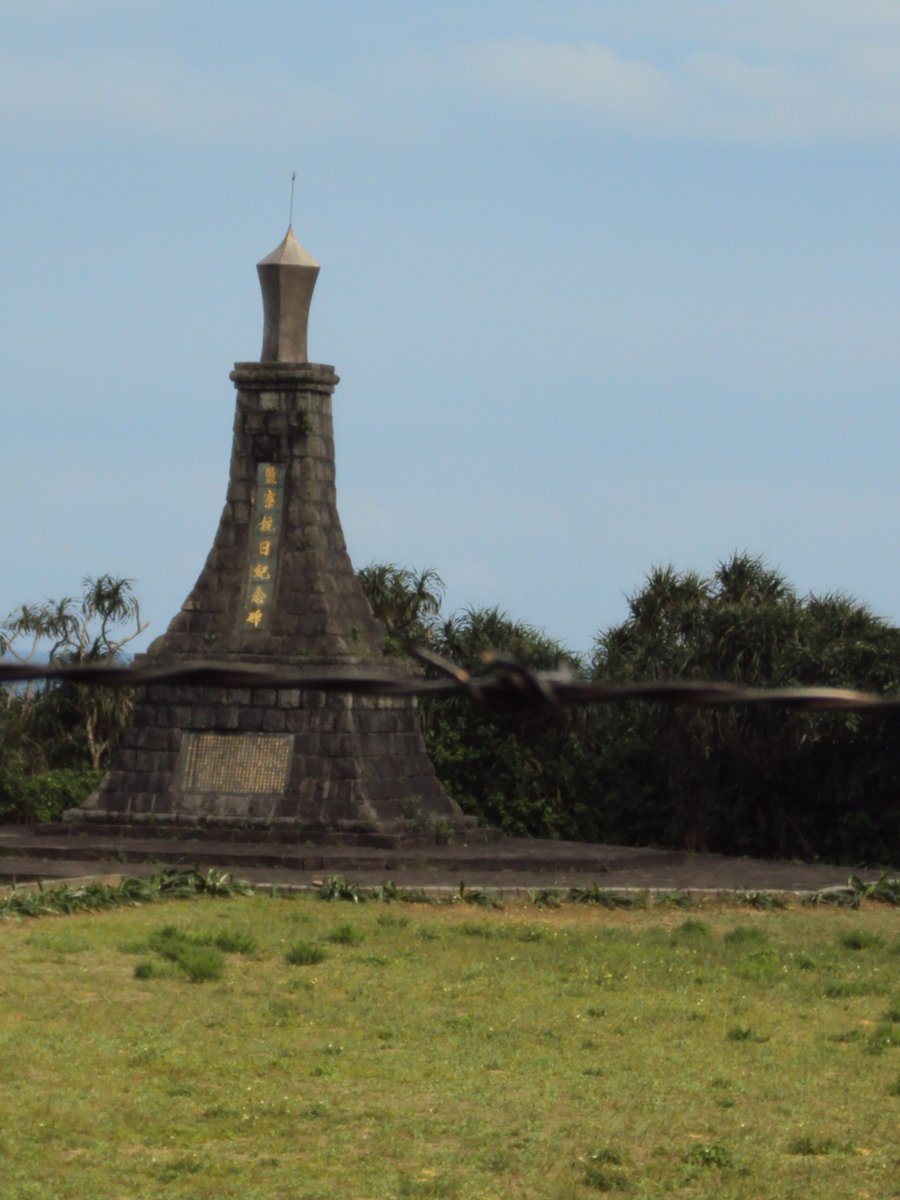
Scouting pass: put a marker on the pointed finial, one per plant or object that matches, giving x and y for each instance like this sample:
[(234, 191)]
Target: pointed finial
[(291, 213), (287, 277)]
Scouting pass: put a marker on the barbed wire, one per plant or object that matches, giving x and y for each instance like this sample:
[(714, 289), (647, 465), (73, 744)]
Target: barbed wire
[(509, 684)]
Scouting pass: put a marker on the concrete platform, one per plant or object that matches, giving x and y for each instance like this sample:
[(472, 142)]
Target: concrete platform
[(29, 853)]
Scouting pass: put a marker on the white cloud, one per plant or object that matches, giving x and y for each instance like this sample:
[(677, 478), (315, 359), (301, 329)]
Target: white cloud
[(163, 97), (585, 76), (847, 92), (774, 26), (41, 11)]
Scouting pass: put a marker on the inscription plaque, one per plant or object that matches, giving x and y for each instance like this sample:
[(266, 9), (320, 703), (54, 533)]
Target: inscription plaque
[(252, 763)]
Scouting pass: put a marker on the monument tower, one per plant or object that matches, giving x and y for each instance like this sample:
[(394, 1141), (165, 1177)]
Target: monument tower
[(278, 588)]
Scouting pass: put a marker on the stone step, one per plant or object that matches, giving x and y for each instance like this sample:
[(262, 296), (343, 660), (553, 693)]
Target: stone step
[(516, 865), (290, 834)]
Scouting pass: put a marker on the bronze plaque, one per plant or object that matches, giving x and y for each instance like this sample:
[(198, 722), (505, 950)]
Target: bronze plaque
[(236, 763)]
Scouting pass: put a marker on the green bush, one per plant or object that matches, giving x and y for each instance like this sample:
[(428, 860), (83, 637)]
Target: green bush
[(35, 799)]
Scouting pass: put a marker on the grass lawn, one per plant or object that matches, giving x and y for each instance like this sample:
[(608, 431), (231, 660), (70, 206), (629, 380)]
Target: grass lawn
[(372, 1051)]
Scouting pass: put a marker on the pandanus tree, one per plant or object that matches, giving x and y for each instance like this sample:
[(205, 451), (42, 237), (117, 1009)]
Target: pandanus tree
[(742, 778), (67, 725), (525, 769), (515, 769), (405, 602)]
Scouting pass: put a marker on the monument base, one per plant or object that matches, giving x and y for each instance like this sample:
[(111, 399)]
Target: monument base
[(94, 823), (304, 762)]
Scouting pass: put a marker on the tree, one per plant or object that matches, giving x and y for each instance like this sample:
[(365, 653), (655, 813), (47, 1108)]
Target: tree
[(743, 779), (58, 723), (525, 770), (518, 770), (405, 602)]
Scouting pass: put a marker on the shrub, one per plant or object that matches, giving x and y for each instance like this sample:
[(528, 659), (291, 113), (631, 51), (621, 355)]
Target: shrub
[(36, 799)]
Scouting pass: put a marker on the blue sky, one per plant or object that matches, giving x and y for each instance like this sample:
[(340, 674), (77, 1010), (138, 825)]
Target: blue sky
[(609, 283)]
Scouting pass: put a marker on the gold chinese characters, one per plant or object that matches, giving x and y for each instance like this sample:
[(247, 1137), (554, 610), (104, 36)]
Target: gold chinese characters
[(262, 559)]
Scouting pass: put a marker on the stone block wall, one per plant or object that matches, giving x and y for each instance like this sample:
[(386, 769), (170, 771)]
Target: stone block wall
[(278, 588)]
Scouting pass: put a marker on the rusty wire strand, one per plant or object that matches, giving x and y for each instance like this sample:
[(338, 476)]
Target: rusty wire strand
[(509, 684)]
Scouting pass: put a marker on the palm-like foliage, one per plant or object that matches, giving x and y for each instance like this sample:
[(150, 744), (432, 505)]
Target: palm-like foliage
[(469, 638), (405, 602), (749, 779), (521, 770), (71, 724), (512, 769)]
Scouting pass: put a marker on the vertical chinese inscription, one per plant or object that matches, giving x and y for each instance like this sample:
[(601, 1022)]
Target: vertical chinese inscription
[(265, 533)]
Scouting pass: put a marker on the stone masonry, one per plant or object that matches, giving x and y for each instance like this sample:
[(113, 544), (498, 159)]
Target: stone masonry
[(278, 588)]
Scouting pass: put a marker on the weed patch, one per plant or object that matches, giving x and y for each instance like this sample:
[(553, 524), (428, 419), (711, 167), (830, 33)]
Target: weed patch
[(305, 954), (170, 884), (344, 934), (843, 989), (860, 939), (602, 1179), (814, 1147), (335, 887), (712, 1155), (476, 929), (235, 941), (603, 1172), (743, 1033), (392, 921), (885, 1036), (693, 930), (192, 954), (594, 894), (743, 937)]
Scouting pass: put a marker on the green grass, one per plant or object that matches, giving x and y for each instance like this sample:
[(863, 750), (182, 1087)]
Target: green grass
[(458, 1051)]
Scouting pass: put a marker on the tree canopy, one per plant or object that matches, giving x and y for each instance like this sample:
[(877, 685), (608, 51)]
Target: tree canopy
[(742, 779), (52, 728)]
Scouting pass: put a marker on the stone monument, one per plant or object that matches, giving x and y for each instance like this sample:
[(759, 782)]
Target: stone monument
[(278, 588)]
